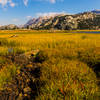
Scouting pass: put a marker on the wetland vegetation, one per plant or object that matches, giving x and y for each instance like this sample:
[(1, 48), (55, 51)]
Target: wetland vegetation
[(49, 65)]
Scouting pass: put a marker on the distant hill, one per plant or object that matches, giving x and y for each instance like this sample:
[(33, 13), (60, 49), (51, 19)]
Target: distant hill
[(8, 27)]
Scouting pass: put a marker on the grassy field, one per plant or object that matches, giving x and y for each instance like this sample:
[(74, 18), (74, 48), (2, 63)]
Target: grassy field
[(69, 62)]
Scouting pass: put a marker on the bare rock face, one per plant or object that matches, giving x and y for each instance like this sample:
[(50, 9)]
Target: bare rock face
[(87, 20)]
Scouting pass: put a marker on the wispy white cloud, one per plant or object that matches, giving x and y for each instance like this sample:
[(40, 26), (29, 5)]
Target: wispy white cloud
[(25, 2), (3, 2), (13, 4), (15, 20), (28, 17), (52, 1), (49, 14), (7, 2)]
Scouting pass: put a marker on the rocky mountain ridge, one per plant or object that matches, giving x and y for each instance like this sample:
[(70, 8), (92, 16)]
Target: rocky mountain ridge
[(86, 20), (41, 19), (96, 11), (9, 27)]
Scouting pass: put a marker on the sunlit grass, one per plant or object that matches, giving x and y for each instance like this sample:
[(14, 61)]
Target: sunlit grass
[(6, 74), (66, 60)]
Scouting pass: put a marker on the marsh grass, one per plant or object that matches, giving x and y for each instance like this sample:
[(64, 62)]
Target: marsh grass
[(5, 42), (66, 60), (66, 78), (6, 74)]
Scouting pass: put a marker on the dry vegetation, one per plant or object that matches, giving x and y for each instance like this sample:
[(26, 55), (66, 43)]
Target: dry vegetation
[(69, 62)]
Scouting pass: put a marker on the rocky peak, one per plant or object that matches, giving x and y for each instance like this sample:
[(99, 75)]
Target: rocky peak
[(97, 11), (86, 20)]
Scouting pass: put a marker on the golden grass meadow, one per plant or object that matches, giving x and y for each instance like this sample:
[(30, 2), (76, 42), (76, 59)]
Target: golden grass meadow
[(69, 62)]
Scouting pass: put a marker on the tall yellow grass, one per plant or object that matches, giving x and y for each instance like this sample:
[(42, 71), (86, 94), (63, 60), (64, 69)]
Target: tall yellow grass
[(68, 58)]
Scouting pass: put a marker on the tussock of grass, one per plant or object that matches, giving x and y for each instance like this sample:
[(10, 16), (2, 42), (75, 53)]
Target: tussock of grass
[(5, 42), (66, 79), (2, 61), (6, 74)]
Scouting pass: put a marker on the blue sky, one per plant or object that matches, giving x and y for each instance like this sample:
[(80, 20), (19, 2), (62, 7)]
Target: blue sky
[(20, 11)]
